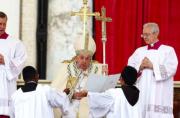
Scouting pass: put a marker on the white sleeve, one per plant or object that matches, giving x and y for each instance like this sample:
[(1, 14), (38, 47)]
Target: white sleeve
[(167, 68), (11, 109), (58, 99), (100, 104), (134, 60), (15, 62)]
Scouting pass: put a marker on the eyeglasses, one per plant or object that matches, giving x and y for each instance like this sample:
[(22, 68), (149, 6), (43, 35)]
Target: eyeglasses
[(146, 35)]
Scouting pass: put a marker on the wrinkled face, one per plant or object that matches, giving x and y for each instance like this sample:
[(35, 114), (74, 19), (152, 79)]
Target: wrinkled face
[(3, 22), (148, 36), (83, 61)]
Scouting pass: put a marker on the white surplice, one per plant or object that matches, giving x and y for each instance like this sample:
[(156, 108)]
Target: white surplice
[(79, 108), (156, 86), (14, 56), (38, 103), (112, 104)]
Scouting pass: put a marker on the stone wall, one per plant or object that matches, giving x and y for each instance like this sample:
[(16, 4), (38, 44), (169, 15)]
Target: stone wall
[(28, 28), (62, 31)]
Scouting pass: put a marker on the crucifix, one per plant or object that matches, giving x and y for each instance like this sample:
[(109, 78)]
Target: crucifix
[(84, 13), (104, 19)]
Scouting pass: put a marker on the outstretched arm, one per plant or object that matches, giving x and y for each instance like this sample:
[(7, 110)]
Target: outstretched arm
[(100, 104), (58, 99)]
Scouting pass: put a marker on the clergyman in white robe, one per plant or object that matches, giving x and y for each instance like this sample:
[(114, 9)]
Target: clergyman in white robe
[(156, 85), (157, 65), (14, 54), (38, 103)]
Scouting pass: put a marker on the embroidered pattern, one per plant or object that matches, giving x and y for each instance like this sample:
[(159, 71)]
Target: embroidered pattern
[(78, 71), (160, 109), (163, 71), (74, 73)]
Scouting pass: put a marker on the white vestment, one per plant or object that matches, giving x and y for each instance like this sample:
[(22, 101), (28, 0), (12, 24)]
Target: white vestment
[(79, 108), (14, 57), (38, 103), (112, 104), (156, 86)]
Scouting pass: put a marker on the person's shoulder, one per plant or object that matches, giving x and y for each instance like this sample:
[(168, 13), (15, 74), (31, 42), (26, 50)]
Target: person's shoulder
[(95, 62), (115, 89), (142, 48), (166, 48), (16, 93), (47, 89), (14, 40), (66, 63), (43, 87)]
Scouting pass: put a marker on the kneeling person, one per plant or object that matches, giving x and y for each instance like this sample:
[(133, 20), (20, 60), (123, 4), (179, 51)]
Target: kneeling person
[(36, 101), (117, 102)]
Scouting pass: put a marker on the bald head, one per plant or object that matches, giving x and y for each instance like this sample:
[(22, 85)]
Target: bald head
[(154, 27)]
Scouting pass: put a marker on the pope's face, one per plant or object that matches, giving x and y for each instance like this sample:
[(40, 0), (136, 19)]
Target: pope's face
[(148, 36), (83, 61), (3, 22)]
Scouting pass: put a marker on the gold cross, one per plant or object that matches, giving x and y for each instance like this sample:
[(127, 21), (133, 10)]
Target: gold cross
[(84, 13), (104, 19)]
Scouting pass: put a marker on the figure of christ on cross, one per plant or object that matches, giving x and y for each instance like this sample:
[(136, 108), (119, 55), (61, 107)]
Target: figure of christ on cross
[(104, 19)]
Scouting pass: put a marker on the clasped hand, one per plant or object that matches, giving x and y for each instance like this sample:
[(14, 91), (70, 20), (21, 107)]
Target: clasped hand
[(146, 63)]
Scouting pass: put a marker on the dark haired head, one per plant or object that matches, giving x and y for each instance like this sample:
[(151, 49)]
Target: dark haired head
[(2, 15), (129, 75), (29, 73)]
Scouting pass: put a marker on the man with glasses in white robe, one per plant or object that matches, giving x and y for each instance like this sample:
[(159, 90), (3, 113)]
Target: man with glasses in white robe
[(157, 65)]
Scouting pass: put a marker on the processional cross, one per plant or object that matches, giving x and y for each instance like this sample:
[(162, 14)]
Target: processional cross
[(104, 19), (84, 13)]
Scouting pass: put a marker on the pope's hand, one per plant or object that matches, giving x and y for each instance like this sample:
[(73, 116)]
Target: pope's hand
[(79, 95), (67, 90)]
